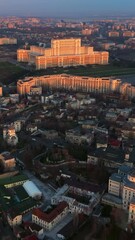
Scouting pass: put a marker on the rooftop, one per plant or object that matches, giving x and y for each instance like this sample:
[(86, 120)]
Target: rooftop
[(21, 193), (124, 169), (49, 217), (91, 187), (13, 179), (116, 177)]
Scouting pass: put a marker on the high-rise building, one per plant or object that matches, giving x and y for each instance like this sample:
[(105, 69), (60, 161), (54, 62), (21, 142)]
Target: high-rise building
[(63, 52)]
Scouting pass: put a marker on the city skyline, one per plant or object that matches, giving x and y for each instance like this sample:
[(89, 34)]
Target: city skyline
[(63, 8)]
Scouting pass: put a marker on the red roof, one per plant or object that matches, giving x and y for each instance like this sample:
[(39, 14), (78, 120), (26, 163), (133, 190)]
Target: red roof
[(114, 142), (49, 217), (27, 224), (32, 237)]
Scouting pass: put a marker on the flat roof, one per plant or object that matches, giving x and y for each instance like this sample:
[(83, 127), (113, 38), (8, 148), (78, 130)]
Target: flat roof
[(116, 177), (13, 179), (111, 198), (21, 193)]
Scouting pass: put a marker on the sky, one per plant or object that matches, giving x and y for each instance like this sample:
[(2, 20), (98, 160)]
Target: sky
[(67, 8)]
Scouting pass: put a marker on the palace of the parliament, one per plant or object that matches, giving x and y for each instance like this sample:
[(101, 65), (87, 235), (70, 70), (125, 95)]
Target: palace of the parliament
[(75, 83), (63, 53)]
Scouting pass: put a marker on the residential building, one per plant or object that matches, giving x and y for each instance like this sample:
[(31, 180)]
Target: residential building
[(49, 220), (5, 40), (8, 161), (70, 82), (131, 215), (17, 125), (113, 34), (9, 135), (87, 31), (74, 136), (121, 188)]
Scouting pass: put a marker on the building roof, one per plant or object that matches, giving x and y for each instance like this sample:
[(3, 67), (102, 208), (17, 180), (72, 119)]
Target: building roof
[(13, 179), (91, 187), (124, 169), (49, 217), (35, 227), (128, 183), (21, 207), (32, 237), (111, 198), (114, 142), (21, 193), (68, 230), (116, 177)]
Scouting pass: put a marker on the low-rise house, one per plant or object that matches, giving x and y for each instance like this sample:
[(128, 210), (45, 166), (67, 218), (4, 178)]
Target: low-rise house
[(89, 124), (38, 230), (112, 156), (131, 119), (49, 220), (76, 137), (128, 130), (111, 116), (101, 141), (49, 134), (9, 135), (15, 213), (7, 161), (31, 128), (17, 125), (83, 188)]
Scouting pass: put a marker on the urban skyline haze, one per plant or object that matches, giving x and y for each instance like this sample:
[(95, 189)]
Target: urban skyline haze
[(64, 8)]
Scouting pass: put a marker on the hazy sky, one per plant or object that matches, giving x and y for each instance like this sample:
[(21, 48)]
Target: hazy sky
[(66, 7)]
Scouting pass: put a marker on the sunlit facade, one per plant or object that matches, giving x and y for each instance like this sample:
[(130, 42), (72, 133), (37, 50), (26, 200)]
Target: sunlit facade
[(69, 82), (63, 53), (5, 40)]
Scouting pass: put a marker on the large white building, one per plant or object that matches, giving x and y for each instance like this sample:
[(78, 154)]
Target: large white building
[(63, 52), (121, 190)]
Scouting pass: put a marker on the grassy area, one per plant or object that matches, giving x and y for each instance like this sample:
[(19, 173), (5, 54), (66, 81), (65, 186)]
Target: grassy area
[(95, 71), (10, 72)]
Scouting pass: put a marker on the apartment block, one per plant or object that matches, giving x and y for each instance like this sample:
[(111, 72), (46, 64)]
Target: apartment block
[(69, 82)]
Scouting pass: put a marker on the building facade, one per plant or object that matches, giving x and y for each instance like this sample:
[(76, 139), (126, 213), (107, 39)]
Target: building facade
[(63, 53), (49, 220), (69, 82), (5, 40), (121, 189)]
